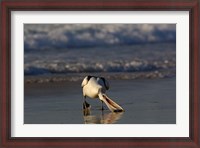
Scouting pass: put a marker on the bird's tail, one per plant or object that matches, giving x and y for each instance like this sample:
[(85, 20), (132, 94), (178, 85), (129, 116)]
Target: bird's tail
[(113, 106)]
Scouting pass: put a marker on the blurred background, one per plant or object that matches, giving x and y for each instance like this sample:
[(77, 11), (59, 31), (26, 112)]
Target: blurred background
[(117, 51)]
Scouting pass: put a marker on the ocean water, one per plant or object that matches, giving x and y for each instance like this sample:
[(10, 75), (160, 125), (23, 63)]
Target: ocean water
[(145, 101), (142, 80), (139, 61), (123, 61)]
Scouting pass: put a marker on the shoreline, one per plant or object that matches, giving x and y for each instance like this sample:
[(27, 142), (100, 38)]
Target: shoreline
[(73, 77)]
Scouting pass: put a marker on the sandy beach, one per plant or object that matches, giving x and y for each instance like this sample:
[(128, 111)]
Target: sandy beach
[(146, 101)]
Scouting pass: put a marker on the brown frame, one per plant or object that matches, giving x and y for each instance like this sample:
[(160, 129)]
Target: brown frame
[(193, 141)]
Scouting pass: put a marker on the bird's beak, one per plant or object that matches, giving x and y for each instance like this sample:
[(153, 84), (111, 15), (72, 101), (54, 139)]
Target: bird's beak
[(113, 106)]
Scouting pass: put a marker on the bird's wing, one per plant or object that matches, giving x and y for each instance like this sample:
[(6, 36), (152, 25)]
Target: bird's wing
[(84, 82)]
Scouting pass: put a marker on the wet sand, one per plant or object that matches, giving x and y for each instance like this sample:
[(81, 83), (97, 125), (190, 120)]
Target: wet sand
[(146, 101)]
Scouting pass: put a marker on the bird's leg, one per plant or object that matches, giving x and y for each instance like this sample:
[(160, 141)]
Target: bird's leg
[(85, 104), (102, 105), (84, 98), (86, 107), (102, 114)]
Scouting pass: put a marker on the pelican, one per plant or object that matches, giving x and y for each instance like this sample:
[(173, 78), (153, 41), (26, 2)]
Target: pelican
[(95, 87)]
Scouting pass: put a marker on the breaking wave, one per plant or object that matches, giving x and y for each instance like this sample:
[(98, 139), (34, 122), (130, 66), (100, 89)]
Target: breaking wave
[(116, 62), (59, 36), (110, 66)]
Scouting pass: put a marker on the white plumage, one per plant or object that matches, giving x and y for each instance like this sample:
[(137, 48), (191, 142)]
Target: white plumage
[(95, 87)]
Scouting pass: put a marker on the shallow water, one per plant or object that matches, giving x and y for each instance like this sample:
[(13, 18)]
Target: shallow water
[(146, 101)]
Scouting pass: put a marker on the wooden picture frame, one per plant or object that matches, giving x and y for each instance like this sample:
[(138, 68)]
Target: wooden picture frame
[(193, 141)]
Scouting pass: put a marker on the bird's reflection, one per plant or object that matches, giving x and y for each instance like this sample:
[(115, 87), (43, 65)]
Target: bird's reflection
[(102, 118)]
